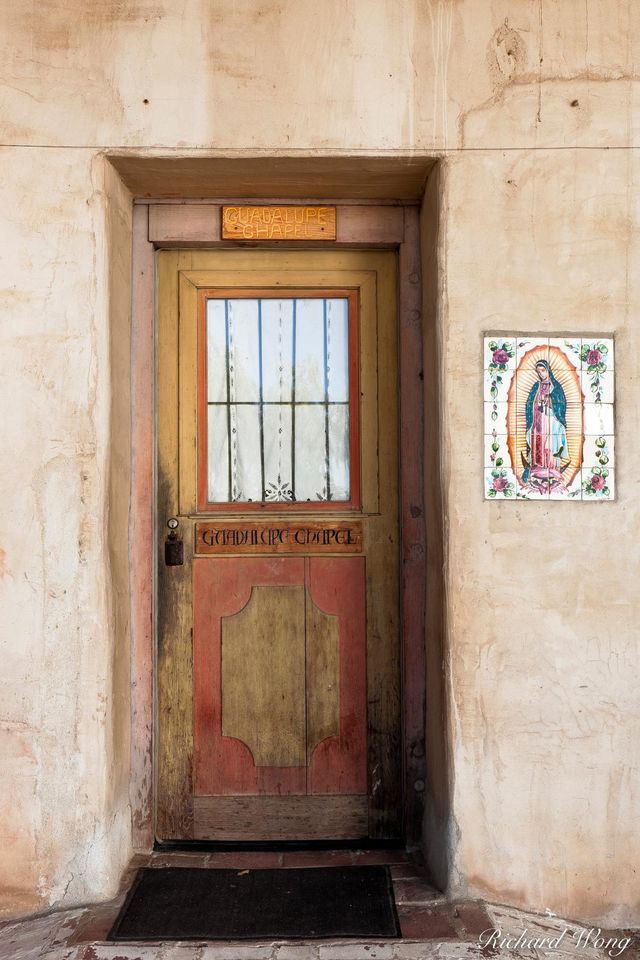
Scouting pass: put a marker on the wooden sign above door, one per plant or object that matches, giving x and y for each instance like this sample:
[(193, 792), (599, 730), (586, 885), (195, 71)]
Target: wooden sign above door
[(281, 536), (278, 223)]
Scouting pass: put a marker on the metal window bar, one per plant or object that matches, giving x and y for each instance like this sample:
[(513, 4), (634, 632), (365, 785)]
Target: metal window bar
[(327, 473), (228, 367), (293, 401), (261, 394)]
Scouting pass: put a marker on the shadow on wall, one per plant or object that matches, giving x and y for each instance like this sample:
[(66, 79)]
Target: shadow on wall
[(438, 835)]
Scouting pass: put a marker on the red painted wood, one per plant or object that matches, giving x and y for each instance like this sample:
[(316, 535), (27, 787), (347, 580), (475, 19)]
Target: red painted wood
[(337, 586), (222, 587)]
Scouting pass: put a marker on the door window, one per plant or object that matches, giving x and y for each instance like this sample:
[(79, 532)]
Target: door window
[(279, 414)]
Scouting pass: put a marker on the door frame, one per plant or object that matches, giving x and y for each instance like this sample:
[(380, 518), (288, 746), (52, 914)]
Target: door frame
[(196, 224)]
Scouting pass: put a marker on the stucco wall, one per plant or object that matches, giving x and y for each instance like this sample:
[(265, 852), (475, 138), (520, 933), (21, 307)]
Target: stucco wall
[(543, 606), (532, 106), (64, 826)]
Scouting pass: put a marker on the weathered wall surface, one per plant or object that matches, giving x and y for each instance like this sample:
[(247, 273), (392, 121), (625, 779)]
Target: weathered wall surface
[(340, 75), (63, 823), (543, 610), (532, 105)]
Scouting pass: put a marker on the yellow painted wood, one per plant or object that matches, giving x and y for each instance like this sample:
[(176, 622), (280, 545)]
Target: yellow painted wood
[(280, 818), (288, 269), (174, 818), (263, 676), (382, 578), (187, 354), (322, 675)]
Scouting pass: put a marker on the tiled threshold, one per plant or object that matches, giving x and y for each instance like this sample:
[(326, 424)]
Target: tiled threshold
[(432, 926)]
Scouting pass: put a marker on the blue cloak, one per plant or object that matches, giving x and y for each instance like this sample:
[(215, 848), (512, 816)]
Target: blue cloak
[(558, 405)]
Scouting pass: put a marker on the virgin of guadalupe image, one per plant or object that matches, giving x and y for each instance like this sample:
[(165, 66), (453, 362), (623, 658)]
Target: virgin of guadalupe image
[(546, 454)]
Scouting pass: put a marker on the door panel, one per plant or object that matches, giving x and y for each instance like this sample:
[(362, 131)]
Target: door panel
[(223, 590), (294, 695), (280, 668), (280, 818), (278, 652), (262, 676)]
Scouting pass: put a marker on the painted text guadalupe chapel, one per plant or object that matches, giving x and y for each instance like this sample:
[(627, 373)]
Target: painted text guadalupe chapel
[(321, 520)]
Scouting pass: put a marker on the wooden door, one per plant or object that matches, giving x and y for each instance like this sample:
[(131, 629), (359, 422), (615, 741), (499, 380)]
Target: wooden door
[(278, 676)]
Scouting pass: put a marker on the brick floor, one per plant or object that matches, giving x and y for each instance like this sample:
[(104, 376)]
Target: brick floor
[(419, 922), (433, 928), (414, 890), (471, 919)]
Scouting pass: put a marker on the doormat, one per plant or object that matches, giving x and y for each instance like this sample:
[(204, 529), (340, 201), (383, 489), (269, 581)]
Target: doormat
[(184, 903)]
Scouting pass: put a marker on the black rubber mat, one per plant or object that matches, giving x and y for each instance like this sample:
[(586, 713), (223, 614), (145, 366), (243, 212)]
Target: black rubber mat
[(182, 903)]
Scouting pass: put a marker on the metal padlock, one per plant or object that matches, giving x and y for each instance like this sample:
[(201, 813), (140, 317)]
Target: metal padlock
[(173, 547)]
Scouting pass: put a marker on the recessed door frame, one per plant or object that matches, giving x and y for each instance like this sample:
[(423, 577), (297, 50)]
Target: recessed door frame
[(171, 224)]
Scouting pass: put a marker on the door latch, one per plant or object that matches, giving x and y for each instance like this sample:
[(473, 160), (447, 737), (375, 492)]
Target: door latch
[(173, 546)]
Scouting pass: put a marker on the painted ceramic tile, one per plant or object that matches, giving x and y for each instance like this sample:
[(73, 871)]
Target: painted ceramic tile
[(527, 345), (597, 354), (496, 385), (597, 389), (499, 483), (529, 492), (499, 354), (598, 418), (571, 347), (598, 484), (496, 450), (495, 417), (548, 421), (499, 362), (571, 491), (599, 452)]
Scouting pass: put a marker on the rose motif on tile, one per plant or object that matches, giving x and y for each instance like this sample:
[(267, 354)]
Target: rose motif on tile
[(594, 355), (499, 479), (501, 352), (597, 484), (549, 417), (499, 484)]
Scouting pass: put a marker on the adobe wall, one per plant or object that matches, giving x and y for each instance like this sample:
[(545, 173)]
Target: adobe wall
[(532, 107)]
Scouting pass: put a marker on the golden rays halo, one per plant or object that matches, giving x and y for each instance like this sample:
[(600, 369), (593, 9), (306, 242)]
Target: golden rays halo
[(521, 383)]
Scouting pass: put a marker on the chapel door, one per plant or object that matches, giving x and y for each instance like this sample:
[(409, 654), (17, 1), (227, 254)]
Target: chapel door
[(278, 671)]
